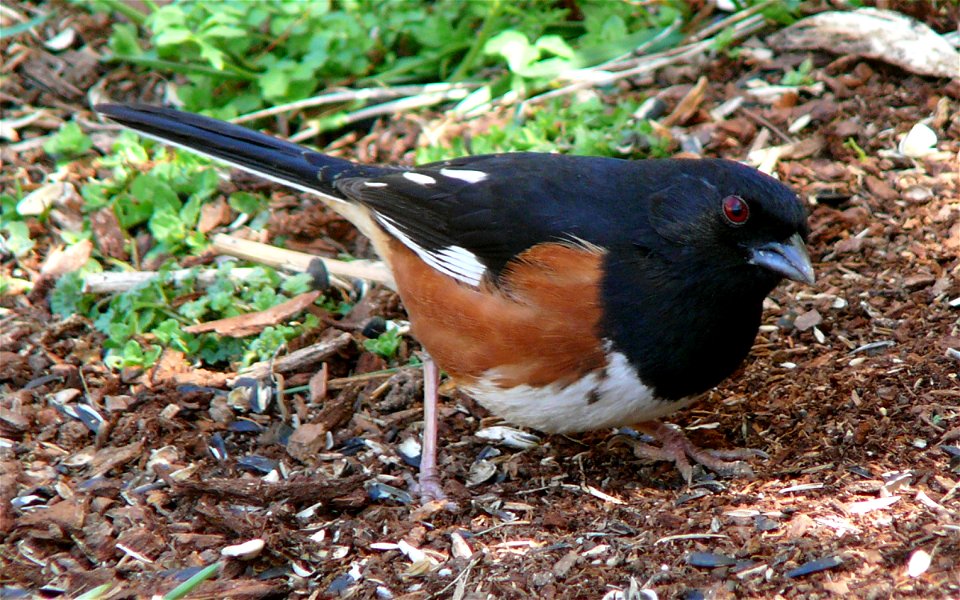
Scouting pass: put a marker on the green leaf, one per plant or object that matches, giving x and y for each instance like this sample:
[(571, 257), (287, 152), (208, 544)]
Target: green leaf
[(514, 47), (124, 42), (386, 344), (67, 297), (69, 142), (148, 189), (17, 239), (173, 36), (300, 283), (167, 227), (556, 45), (247, 203)]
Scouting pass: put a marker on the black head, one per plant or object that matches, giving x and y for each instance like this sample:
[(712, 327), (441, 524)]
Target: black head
[(725, 216), (683, 301)]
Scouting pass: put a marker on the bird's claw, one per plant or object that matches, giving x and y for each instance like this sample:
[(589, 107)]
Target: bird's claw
[(678, 449)]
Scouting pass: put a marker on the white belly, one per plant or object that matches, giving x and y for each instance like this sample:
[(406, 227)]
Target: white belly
[(614, 397)]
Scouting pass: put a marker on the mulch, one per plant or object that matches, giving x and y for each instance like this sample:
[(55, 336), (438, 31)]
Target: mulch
[(851, 389)]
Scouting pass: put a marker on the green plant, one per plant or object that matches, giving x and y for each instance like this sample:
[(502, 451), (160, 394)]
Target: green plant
[(68, 143), (16, 238), (268, 52), (386, 344), (589, 126), (800, 75)]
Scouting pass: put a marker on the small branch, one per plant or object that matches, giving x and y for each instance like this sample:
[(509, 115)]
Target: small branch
[(739, 17), (645, 64), (299, 261), (364, 94), (387, 108), (298, 360), (112, 283)]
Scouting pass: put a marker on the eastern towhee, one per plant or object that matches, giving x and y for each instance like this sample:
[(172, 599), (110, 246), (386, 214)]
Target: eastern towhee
[(563, 293)]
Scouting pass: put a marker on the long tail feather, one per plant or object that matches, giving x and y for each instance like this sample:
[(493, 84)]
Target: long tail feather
[(245, 149)]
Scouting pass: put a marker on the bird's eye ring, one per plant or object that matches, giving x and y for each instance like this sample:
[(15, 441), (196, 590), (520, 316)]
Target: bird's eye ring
[(735, 210)]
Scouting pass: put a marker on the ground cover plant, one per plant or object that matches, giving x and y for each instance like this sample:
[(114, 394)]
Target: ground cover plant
[(149, 423)]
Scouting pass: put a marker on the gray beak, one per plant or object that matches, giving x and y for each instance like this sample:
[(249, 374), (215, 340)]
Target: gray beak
[(788, 258)]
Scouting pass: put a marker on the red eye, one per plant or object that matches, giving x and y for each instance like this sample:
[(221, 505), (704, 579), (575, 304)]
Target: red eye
[(735, 209)]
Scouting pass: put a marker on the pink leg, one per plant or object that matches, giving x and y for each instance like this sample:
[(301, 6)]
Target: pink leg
[(675, 447), (430, 488)]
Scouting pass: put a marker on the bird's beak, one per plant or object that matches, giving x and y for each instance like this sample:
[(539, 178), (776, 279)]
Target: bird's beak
[(788, 258)]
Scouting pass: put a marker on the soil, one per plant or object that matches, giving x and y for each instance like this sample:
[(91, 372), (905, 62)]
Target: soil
[(851, 390)]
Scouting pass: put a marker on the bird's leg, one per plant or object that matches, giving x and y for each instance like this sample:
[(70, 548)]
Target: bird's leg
[(676, 447), (430, 488)]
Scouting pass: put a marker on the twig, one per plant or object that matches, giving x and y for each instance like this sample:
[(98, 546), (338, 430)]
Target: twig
[(111, 283), (387, 108), (461, 575), (298, 359), (349, 95), (766, 123), (614, 62), (299, 261), (644, 64), (740, 15)]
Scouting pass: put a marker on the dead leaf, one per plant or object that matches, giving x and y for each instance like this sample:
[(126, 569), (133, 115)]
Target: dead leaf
[(253, 323), (306, 441), (173, 367), (66, 260), (213, 215), (109, 235), (883, 35), (688, 106), (809, 319)]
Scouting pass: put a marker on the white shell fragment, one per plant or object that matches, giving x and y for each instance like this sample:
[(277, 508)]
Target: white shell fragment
[(509, 436), (410, 449), (62, 40), (459, 547), (918, 564), (481, 471), (39, 200), (920, 141), (245, 551), (871, 33)]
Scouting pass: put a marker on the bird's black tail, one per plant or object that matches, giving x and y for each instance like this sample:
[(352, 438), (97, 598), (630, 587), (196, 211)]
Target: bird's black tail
[(269, 157)]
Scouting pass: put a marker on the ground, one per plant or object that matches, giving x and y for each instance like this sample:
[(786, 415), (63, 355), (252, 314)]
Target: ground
[(851, 390)]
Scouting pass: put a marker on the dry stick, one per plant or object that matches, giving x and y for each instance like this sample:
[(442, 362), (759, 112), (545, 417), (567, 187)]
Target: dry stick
[(741, 15), (646, 64), (387, 108), (354, 95), (111, 283), (299, 261), (297, 360)]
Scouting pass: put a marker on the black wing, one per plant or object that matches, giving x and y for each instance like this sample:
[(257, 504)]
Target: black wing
[(465, 217)]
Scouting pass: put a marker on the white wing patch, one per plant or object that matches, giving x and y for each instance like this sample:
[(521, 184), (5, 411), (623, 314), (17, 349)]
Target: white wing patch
[(374, 184), (455, 261), (468, 175), (419, 178)]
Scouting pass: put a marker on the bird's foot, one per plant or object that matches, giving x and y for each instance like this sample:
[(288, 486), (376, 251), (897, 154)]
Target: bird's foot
[(677, 448), (430, 489)]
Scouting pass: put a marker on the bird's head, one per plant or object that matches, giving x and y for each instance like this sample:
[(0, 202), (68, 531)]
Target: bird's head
[(729, 219)]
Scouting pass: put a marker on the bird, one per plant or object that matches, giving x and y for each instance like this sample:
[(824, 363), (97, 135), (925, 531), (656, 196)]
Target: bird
[(563, 293)]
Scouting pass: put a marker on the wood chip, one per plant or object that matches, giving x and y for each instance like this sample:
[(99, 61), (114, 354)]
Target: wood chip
[(563, 566)]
